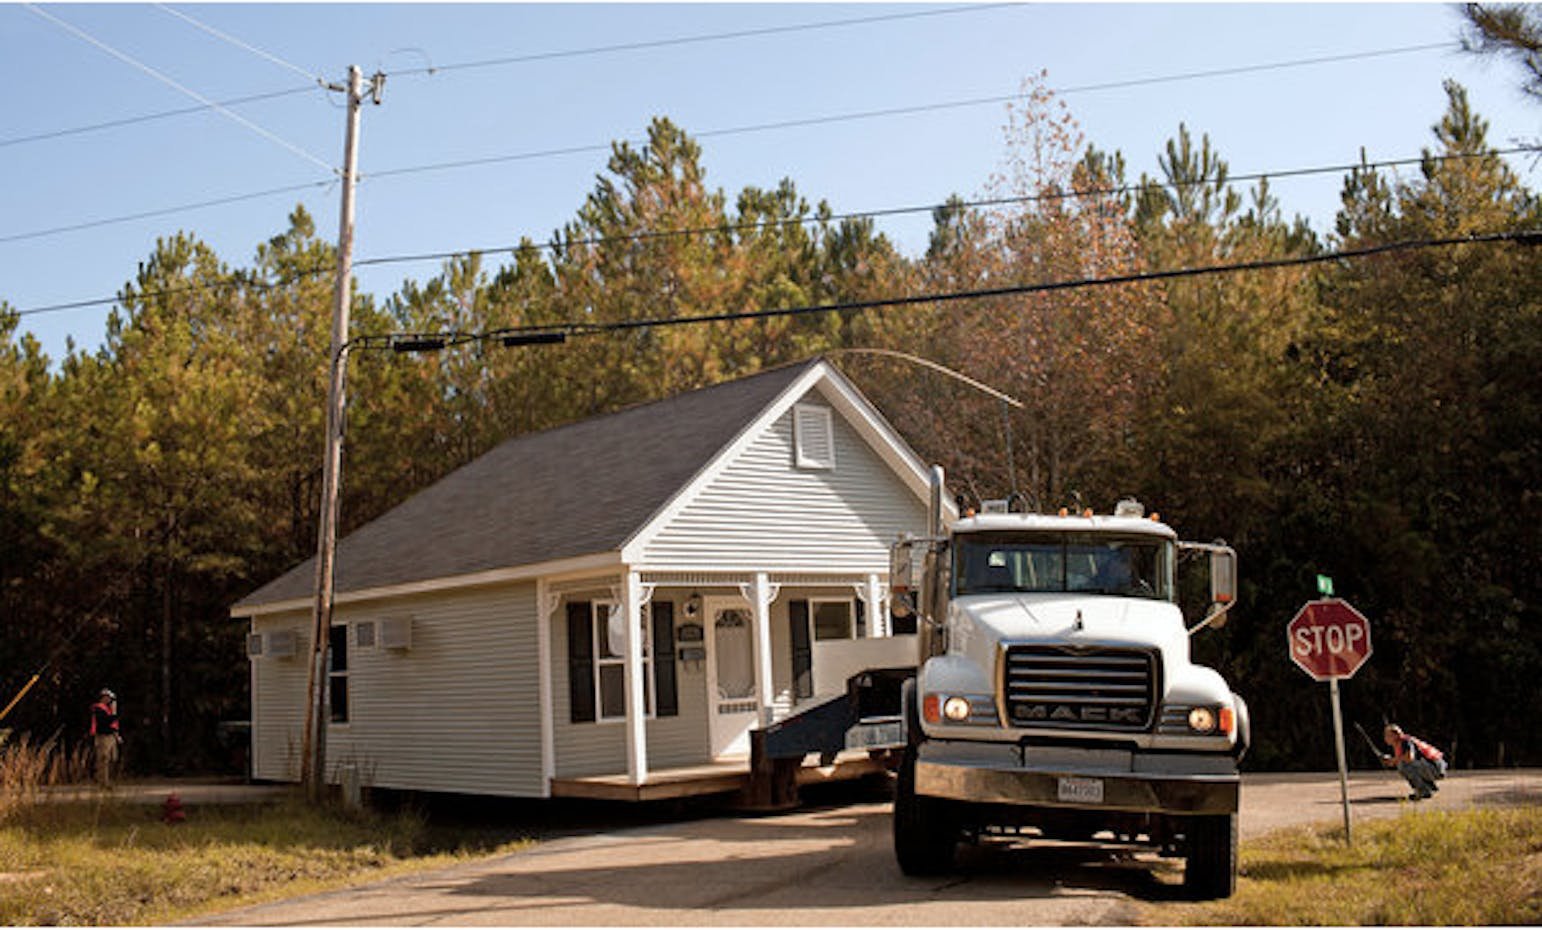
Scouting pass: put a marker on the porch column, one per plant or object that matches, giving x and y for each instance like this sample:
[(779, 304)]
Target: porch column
[(546, 603), (877, 616), (761, 596), (636, 715)]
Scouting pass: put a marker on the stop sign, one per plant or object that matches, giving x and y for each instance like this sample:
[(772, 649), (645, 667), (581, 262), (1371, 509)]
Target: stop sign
[(1329, 639)]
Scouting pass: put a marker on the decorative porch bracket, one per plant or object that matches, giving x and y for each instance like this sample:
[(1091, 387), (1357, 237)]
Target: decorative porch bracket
[(874, 595)]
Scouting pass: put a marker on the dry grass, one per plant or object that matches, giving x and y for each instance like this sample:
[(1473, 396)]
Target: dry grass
[(25, 769), (1467, 868), (112, 863)]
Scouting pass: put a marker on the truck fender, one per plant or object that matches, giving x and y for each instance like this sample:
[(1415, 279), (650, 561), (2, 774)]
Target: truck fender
[(1244, 726)]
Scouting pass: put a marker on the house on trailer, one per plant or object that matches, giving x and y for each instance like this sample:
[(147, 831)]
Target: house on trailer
[(604, 605)]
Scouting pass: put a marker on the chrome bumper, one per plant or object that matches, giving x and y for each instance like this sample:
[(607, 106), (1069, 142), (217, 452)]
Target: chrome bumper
[(1164, 786)]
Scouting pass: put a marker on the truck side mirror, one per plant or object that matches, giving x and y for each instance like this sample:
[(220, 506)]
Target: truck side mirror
[(1223, 582), (1223, 576)]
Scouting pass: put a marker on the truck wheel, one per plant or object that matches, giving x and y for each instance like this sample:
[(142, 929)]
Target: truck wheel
[(924, 840), (1211, 870)]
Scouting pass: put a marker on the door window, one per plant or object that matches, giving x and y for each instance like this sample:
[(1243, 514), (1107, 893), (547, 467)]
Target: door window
[(735, 654)]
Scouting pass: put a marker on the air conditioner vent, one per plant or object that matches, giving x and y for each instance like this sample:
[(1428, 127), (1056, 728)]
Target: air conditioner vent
[(280, 644), (396, 633)]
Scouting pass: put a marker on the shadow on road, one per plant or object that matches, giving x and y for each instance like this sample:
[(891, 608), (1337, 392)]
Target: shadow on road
[(1510, 796), (767, 866), (1371, 801)]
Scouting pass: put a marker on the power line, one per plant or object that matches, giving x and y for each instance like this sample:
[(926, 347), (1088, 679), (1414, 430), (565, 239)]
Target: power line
[(1525, 237), (804, 122), (651, 235), (127, 59), (560, 332), (722, 229), (762, 127), (1047, 196), (751, 128), (150, 117), (1269, 66), (696, 40), (164, 211), (455, 66), (242, 45)]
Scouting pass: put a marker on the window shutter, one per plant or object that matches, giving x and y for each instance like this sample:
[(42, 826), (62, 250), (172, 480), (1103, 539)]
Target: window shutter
[(666, 698), (860, 606), (580, 663), (802, 655)]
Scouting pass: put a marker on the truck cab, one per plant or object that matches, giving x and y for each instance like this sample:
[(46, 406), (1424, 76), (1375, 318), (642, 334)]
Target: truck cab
[(1055, 691)]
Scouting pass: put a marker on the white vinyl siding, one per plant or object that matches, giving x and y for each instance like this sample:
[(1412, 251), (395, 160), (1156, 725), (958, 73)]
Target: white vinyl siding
[(457, 712), (278, 701), (599, 748), (762, 512)]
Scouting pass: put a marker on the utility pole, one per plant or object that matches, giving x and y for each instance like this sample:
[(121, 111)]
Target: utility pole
[(313, 752)]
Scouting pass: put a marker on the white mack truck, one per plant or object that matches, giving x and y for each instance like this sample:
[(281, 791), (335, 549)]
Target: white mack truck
[(1055, 691)]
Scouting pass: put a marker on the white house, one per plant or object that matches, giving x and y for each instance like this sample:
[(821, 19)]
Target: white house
[(613, 599)]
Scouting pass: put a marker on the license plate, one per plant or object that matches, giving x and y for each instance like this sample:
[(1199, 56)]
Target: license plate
[(1075, 790)]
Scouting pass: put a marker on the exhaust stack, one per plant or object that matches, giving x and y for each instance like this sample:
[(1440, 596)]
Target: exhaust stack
[(935, 513)]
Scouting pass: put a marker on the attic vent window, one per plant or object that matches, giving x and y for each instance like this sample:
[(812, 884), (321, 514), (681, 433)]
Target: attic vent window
[(813, 437)]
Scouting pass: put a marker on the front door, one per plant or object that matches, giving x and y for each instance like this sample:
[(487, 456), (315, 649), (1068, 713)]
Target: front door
[(731, 694)]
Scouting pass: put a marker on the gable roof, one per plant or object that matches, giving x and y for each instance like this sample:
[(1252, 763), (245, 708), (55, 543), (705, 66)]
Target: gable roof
[(571, 491)]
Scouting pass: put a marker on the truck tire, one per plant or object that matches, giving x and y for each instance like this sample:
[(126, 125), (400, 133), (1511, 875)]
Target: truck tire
[(924, 839), (1211, 870)]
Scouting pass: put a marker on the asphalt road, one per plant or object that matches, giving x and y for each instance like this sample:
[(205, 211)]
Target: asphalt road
[(830, 865)]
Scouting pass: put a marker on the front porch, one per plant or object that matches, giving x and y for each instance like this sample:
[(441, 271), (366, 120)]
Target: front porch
[(656, 682)]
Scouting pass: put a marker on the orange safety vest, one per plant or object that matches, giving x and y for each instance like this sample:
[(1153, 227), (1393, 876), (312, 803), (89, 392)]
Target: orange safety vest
[(103, 720), (1411, 743)]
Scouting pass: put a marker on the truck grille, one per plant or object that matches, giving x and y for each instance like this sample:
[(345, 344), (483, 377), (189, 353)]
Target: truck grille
[(1097, 689)]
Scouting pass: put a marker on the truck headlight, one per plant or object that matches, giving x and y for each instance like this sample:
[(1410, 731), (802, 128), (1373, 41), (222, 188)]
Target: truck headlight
[(956, 709), (971, 709), (1202, 720)]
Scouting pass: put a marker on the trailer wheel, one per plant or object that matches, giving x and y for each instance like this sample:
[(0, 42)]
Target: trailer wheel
[(924, 839), (1211, 870)]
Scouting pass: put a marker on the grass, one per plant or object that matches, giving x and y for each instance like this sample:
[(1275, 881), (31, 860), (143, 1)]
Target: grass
[(25, 768), (113, 863), (1464, 868)]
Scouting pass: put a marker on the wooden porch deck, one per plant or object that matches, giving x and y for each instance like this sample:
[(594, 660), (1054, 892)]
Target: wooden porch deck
[(726, 777)]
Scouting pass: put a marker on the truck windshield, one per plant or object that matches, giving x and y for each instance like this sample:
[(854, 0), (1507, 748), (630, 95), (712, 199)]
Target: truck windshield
[(1086, 563)]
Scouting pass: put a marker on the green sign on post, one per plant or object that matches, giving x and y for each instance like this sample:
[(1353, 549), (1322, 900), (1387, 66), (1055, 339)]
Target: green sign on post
[(1324, 585)]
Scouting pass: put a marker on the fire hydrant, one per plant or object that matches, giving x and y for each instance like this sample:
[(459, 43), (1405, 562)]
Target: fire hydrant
[(171, 809)]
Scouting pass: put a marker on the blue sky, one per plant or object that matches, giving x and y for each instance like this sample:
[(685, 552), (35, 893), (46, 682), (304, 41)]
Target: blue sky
[(1268, 120)]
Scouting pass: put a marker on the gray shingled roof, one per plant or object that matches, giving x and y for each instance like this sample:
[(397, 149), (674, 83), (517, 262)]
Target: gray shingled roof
[(575, 490)]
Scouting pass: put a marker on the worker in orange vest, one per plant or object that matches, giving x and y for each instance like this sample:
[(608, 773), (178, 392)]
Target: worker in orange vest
[(105, 736), (1419, 763)]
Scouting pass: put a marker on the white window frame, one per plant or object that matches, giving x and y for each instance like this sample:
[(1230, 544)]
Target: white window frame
[(823, 417), (813, 619), (373, 645), (599, 627), (344, 674)]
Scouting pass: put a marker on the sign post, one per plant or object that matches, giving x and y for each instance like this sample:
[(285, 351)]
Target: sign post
[(1330, 640)]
